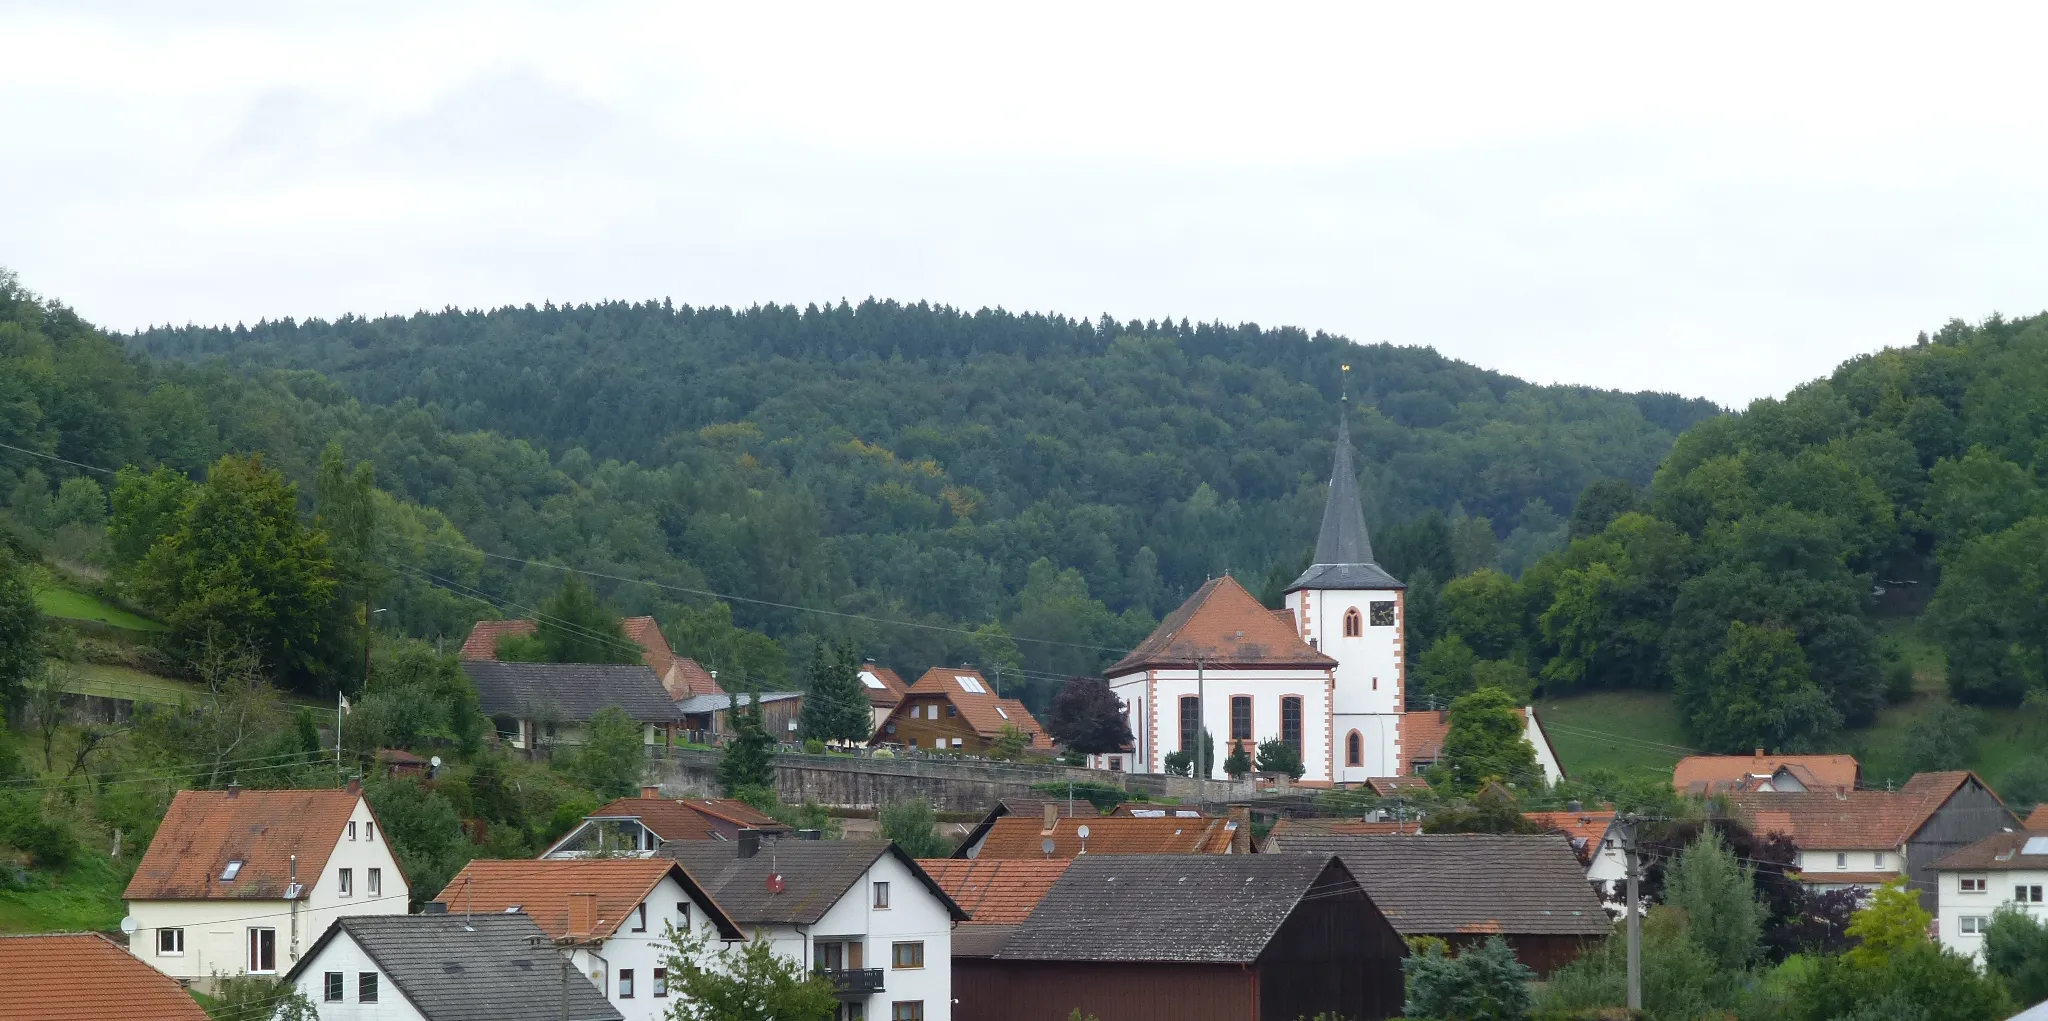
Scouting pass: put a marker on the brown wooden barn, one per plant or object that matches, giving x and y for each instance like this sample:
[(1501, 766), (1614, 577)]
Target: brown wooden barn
[(1463, 887), (1188, 938)]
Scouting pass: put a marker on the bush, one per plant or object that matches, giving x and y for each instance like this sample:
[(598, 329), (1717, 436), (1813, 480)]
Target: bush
[(914, 828), (1946, 737), (49, 843), (1485, 983), (1103, 796)]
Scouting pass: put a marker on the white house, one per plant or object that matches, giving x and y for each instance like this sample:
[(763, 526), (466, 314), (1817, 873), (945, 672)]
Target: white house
[(442, 967), (238, 881), (611, 914), (2002, 869), (861, 912), (1595, 838)]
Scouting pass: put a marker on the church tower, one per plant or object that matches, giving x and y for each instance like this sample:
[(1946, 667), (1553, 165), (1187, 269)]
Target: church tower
[(1349, 608)]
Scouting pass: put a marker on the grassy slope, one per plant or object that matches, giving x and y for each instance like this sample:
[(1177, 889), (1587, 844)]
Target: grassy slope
[(85, 896), (1623, 730), (57, 601)]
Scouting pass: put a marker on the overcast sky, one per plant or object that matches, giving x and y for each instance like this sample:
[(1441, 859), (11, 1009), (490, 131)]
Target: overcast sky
[(1721, 203)]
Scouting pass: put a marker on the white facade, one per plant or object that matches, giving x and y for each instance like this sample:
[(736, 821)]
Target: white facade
[(214, 937), (914, 916), (344, 955), (624, 965), (1154, 698), (1370, 674), (1961, 914)]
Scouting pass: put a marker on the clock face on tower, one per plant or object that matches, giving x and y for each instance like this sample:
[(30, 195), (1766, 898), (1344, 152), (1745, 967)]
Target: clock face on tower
[(1382, 613)]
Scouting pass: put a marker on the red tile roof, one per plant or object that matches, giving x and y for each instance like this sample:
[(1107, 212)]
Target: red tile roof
[(1423, 732), (683, 677), (542, 889), (482, 642), (1388, 786), (645, 633), (1224, 626), (2037, 820), (1584, 830), (892, 686), (685, 818), (85, 977), (1713, 773), (1020, 837), (690, 678), (204, 830), (996, 891), (1851, 820), (982, 710)]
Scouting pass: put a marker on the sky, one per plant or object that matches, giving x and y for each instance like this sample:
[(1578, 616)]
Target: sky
[(1721, 202)]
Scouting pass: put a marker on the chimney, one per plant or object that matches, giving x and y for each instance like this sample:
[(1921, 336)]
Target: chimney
[(234, 788), (1759, 753), (582, 914), (650, 791), (433, 907), (1574, 807), (354, 787), (1052, 817), (1841, 793), (748, 845)]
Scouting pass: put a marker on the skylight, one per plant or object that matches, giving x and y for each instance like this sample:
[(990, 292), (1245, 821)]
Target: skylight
[(871, 680), (972, 684), (2035, 845), (1002, 712), (234, 869)]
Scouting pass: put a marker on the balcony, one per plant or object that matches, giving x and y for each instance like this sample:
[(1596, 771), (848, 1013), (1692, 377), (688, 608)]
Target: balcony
[(852, 981)]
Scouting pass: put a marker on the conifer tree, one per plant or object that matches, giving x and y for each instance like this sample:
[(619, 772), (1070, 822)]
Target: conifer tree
[(836, 707)]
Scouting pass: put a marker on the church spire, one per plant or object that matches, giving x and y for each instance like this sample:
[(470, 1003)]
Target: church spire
[(1343, 557)]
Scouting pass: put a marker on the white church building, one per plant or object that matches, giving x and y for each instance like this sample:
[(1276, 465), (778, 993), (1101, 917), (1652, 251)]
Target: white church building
[(1325, 674)]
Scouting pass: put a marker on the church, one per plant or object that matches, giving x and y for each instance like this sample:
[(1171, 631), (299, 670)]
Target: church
[(1325, 674)]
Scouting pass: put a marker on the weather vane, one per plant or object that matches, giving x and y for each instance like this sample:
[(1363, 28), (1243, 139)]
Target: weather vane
[(1344, 383)]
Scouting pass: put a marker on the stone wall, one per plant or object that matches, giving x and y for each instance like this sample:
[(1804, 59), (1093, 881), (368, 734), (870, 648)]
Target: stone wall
[(951, 785)]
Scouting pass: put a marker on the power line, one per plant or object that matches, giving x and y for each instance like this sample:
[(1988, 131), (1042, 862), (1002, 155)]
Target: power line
[(53, 457)]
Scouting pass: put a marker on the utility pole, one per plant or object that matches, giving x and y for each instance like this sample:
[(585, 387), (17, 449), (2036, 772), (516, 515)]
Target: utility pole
[(1201, 766), (1635, 911)]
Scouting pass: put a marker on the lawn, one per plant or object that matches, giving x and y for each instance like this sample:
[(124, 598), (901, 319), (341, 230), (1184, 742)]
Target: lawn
[(72, 604), (1614, 730), (85, 896)]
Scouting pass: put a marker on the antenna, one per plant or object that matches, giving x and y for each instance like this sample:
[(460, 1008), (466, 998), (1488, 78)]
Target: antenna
[(468, 903)]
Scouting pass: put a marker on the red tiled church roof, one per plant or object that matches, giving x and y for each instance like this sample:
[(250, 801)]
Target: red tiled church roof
[(1223, 626)]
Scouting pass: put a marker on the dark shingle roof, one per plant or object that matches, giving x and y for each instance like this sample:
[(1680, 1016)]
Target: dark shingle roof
[(572, 692), (1343, 549), (1470, 882), (1169, 907), (815, 874), (479, 968)]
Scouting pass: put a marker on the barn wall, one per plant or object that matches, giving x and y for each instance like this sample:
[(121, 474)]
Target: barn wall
[(1052, 990), (1970, 815), (1334, 955)]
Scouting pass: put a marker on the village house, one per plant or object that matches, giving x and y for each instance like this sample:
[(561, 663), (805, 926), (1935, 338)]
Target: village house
[(2003, 869), (238, 881), (1034, 807), (1595, 838), (956, 709), (1850, 839), (1191, 938), (84, 976), (1423, 733), (444, 967), (707, 718), (998, 895), (884, 689), (861, 913), (609, 914), (538, 707), (681, 675), (1701, 775), (1071, 837), (642, 825), (1527, 888)]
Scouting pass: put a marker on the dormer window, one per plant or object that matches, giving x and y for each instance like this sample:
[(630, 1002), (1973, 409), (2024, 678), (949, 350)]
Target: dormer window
[(227, 875)]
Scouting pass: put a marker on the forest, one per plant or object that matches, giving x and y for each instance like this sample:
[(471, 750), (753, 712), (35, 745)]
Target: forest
[(1027, 492)]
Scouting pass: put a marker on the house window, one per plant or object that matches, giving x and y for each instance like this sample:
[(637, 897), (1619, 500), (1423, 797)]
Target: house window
[(881, 895), (1190, 722), (2026, 894), (366, 987), (1354, 625), (1290, 722), (347, 879), (660, 984), (906, 955), (370, 831), (1841, 860), (330, 989), (1240, 717), (1973, 884), (233, 869), (1116, 763), (376, 878), (1354, 749), (682, 916), (1877, 860), (1974, 924), (951, 711), (625, 983), (906, 1010), (852, 1010), (263, 951), (1382, 613), (351, 830), (640, 918), (956, 742)]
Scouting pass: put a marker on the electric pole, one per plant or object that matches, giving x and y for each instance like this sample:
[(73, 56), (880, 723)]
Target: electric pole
[(1635, 910)]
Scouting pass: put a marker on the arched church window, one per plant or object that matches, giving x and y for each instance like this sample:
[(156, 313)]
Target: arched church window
[(1354, 625), (1354, 749)]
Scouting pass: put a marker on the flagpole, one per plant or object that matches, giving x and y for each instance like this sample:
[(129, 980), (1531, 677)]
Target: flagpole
[(340, 700)]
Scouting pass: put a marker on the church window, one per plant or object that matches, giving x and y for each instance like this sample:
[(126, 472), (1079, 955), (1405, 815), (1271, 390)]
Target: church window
[(1190, 722), (1354, 749), (1290, 721), (1383, 613), (1352, 623), (1240, 717)]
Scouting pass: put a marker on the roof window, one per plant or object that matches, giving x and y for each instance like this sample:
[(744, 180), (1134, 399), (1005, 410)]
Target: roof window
[(972, 684), (1004, 713), (871, 680), (234, 869)]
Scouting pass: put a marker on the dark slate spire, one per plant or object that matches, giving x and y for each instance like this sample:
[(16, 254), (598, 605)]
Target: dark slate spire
[(1343, 549)]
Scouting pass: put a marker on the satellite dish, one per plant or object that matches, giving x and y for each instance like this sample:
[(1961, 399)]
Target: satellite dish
[(775, 882), (128, 925), (435, 762), (1082, 832), (1046, 845)]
